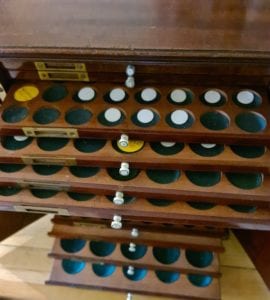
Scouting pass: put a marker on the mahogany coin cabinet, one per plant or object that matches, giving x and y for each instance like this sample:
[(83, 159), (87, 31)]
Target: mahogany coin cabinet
[(145, 128)]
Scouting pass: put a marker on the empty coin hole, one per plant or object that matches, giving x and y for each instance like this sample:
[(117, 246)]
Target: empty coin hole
[(213, 97), (55, 93), (145, 118), (51, 144), (140, 251), (72, 245), (166, 256), (251, 122), (167, 276), (138, 275), (215, 120), (83, 172), (88, 145), (9, 190), (163, 176), (78, 116), (111, 117), (80, 196), (243, 208), (199, 259), (14, 114), (46, 169), (246, 181), (204, 179), (207, 151), (248, 151), (164, 148), (114, 173), (10, 168), (103, 270), (101, 248), (201, 205), (180, 119), (46, 115), (200, 280), (10, 143), (180, 96), (42, 193), (247, 99), (72, 267), (161, 202)]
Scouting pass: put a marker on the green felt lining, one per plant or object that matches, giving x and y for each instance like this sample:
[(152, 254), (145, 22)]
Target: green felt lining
[(55, 93), (214, 120), (10, 143), (78, 116), (46, 115), (14, 114)]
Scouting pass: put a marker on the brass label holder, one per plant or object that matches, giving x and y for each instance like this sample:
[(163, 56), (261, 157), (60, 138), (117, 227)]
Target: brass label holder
[(50, 132), (45, 160), (41, 210)]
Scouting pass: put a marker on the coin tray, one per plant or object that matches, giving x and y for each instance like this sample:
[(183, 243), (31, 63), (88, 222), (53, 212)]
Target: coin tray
[(228, 123)]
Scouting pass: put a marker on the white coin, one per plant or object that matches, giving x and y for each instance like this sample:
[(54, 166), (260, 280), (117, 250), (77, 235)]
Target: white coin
[(208, 146), (245, 97), (145, 116), (117, 95), (167, 144), (212, 97), (178, 96), (112, 114), (20, 138), (86, 94), (179, 117), (149, 94)]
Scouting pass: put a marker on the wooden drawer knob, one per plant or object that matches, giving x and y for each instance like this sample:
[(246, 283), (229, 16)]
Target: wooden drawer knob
[(134, 232), (129, 296), (130, 271), (132, 247), (130, 81), (116, 222)]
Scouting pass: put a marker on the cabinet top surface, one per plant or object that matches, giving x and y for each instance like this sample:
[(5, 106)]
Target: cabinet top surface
[(160, 28)]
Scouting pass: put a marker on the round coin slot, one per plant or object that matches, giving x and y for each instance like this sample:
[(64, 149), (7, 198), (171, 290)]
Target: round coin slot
[(145, 118), (243, 208), (9, 190), (71, 266), (89, 145), (51, 144), (46, 115), (10, 143), (163, 176), (139, 252), (101, 248), (207, 150), (160, 202), (116, 95), (80, 196), (204, 179), (251, 122), (55, 93), (213, 98), (138, 274), (147, 95), (103, 270), (199, 259), (14, 114), (180, 96), (78, 116), (10, 168), (201, 205), (180, 118), (111, 117), (26, 93), (46, 170), (245, 181), (200, 280), (248, 151), (215, 120), (247, 98), (166, 256), (72, 245), (167, 148), (167, 276), (83, 172), (86, 94), (43, 194)]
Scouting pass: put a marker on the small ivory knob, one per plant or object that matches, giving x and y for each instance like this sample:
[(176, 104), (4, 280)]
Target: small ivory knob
[(130, 271), (129, 296), (132, 247), (130, 82), (124, 169), (134, 232), (124, 140), (130, 70), (118, 198), (116, 223)]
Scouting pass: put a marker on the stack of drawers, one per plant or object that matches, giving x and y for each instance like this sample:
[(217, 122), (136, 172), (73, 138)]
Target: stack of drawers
[(144, 181)]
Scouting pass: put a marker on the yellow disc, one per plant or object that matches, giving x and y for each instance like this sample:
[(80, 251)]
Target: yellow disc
[(26, 93), (133, 146)]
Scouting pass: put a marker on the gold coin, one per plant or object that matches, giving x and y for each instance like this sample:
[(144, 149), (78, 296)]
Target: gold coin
[(26, 93), (133, 146)]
